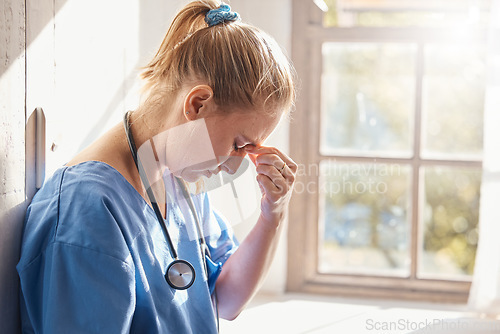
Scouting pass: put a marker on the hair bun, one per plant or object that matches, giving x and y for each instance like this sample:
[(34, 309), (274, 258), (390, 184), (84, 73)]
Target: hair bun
[(220, 15)]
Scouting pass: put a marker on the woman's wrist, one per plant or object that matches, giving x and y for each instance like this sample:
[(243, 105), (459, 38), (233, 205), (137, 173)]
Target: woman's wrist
[(272, 221)]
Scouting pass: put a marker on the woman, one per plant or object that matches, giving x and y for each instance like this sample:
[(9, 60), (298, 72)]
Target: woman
[(97, 247)]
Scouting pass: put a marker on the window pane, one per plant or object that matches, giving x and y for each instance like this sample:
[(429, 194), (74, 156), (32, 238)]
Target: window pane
[(367, 97), (449, 215), (404, 13), (453, 101), (364, 219)]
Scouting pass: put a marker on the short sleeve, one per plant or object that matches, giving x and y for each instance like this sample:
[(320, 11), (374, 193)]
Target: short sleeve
[(220, 239), (83, 291)]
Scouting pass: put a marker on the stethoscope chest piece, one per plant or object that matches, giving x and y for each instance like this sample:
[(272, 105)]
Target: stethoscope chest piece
[(180, 274)]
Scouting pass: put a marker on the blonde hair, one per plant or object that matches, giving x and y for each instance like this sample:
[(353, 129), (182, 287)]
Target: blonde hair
[(242, 64)]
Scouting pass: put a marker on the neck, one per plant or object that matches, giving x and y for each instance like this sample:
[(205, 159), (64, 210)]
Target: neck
[(147, 127), (154, 117)]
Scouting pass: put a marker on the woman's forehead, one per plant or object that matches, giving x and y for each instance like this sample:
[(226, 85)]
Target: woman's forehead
[(255, 127)]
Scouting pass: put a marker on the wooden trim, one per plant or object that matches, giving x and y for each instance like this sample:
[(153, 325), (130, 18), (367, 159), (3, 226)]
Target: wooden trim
[(416, 233), (408, 5), (391, 282), (378, 292), (387, 160), (397, 35), (387, 287), (299, 142)]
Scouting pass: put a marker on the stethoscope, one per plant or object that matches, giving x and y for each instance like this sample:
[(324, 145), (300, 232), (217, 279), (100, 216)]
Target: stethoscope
[(180, 273)]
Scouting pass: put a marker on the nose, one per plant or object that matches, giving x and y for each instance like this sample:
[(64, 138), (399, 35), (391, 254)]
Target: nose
[(233, 162)]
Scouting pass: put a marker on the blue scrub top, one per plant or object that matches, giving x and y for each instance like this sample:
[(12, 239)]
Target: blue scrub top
[(94, 257)]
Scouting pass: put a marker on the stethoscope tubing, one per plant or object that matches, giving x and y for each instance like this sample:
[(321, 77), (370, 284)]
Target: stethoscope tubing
[(180, 274), (146, 184)]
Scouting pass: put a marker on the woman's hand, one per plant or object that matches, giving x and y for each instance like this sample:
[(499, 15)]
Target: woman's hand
[(276, 176)]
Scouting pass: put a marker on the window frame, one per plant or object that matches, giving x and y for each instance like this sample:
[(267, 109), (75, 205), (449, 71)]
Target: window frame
[(308, 34)]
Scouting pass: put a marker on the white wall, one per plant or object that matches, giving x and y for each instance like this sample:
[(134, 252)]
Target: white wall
[(96, 55), (12, 191)]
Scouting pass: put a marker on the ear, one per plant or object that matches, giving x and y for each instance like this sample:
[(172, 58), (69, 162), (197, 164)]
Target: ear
[(198, 101)]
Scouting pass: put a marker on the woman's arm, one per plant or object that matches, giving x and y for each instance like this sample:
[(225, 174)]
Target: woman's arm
[(245, 270)]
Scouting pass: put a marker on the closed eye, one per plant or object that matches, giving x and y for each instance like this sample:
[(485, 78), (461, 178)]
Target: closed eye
[(237, 148)]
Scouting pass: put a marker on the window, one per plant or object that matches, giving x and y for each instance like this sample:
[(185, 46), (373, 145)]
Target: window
[(388, 137)]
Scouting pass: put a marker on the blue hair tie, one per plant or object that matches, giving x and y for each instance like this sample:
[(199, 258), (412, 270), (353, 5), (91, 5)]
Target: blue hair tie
[(220, 15)]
